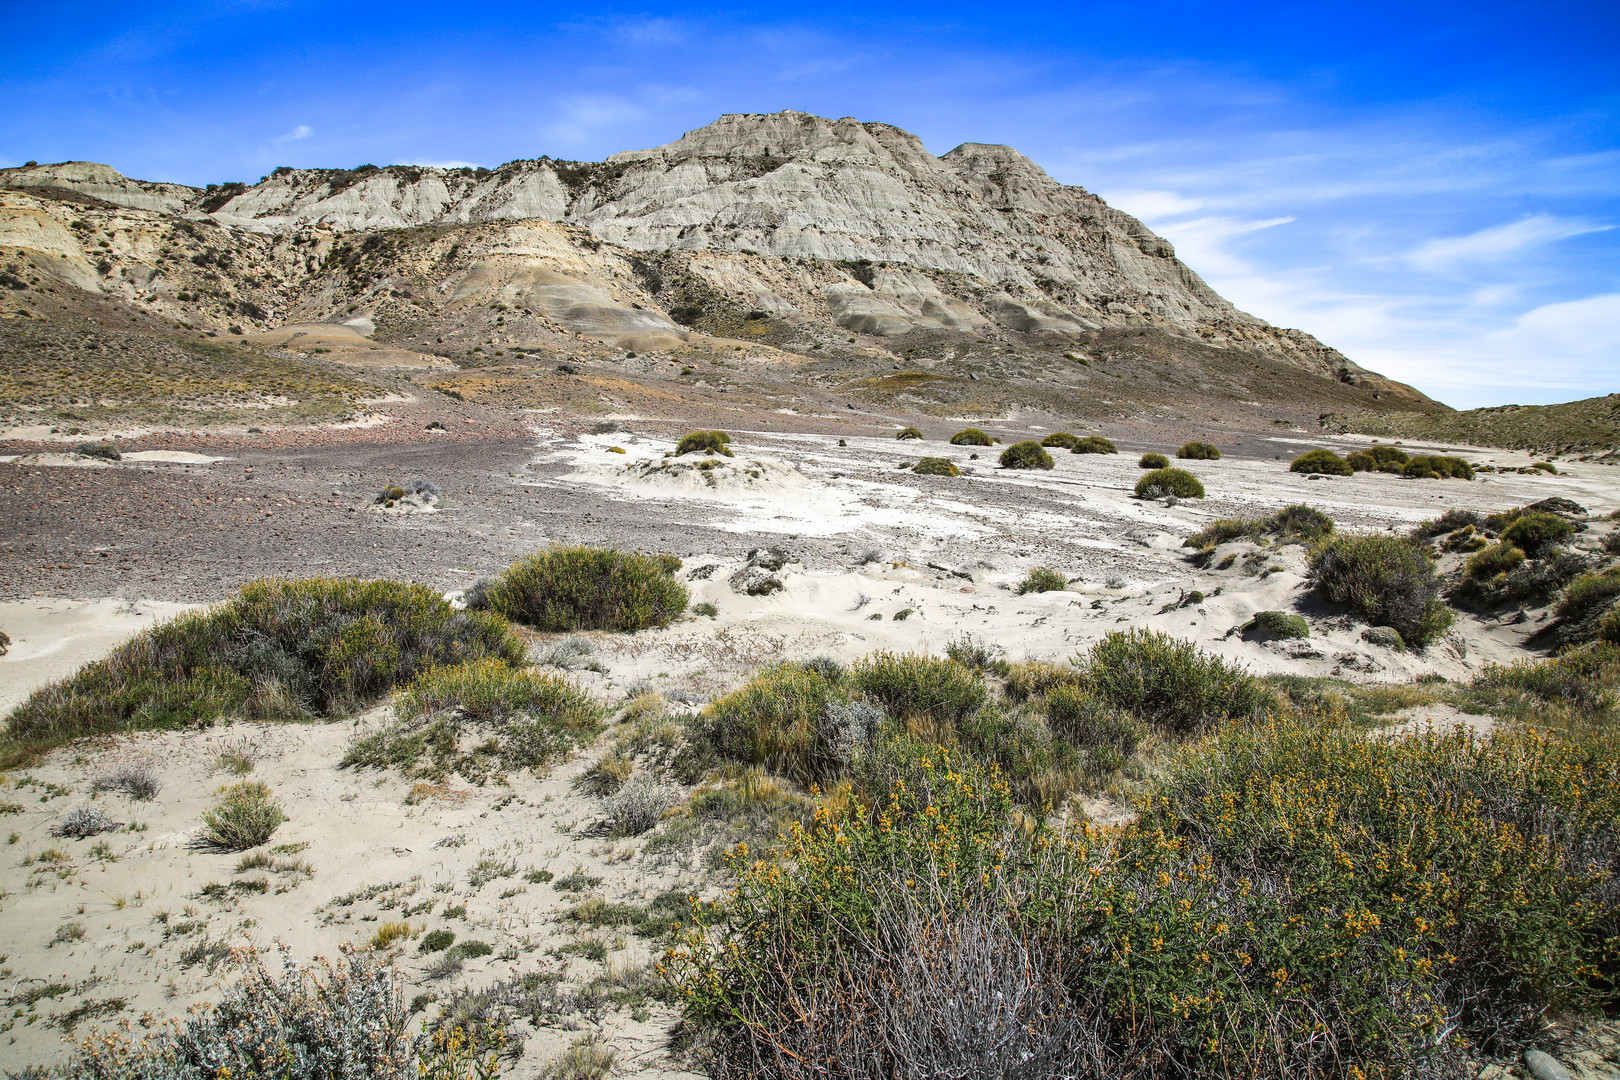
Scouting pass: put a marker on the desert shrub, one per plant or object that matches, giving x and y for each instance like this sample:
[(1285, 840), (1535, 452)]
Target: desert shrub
[(1162, 482), (707, 442), (245, 816), (777, 721), (437, 941), (83, 821), (1060, 438), (336, 1020), (1536, 531), (1028, 454), (1438, 467), (935, 466), (1299, 900), (1611, 546), (137, 779), (1093, 444), (1091, 722), (1386, 580), (1388, 459), (1585, 604), (970, 437), (1297, 522), (1198, 451), (1584, 678), (1042, 579), (280, 649), (1036, 678), (1450, 521), (513, 718), (1321, 461), (1487, 563), (1278, 624), (585, 588), (1152, 460), (637, 807), (927, 692), (908, 433), (1168, 683), (106, 451), (976, 654)]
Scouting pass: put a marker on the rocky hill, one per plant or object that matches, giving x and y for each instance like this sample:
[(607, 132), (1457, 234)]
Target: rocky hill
[(832, 242)]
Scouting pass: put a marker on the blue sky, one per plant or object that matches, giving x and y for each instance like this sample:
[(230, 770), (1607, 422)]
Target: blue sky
[(1433, 189)]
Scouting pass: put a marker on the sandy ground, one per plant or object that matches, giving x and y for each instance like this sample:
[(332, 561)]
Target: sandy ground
[(871, 557)]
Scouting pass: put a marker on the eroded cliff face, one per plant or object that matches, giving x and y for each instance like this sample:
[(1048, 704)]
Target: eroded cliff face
[(794, 216)]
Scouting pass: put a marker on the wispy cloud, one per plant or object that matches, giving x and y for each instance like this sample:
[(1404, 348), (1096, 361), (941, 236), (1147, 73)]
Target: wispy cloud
[(1152, 206), (302, 131), (1500, 241)]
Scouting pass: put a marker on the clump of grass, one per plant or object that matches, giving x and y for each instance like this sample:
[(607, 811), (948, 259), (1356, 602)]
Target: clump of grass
[(245, 816), (1389, 459), (1028, 454), (83, 821), (279, 650), (1169, 683), (136, 779), (1450, 521), (637, 807), (935, 466), (587, 1058), (909, 433), (106, 451), (970, 437), (1278, 624), (1535, 531), (585, 588), (1199, 451), (776, 721), (388, 933), (1153, 460), (1167, 482), (1386, 580), (1093, 444), (1493, 561), (514, 719), (1297, 522), (705, 608), (1586, 603), (1060, 438), (1438, 467), (436, 941), (1322, 462), (1042, 579), (926, 692), (707, 442)]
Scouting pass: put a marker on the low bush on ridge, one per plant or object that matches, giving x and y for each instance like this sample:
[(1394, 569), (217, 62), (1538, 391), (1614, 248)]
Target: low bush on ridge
[(586, 588), (908, 433), (1151, 460), (1438, 467), (1060, 438), (1042, 579), (707, 442), (1297, 522), (1377, 458), (1199, 451), (1296, 900), (1162, 482), (279, 649), (1386, 580), (1169, 683), (970, 437), (1093, 444), (1323, 462), (935, 466), (479, 720)]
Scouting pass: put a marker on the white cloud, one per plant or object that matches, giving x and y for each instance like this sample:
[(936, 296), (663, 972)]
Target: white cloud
[(1151, 206), (302, 131), (580, 119), (443, 164), (1202, 242), (1500, 241)]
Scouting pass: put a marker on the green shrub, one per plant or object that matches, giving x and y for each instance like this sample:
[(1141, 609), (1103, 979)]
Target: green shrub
[(1438, 467), (1168, 683), (1294, 522), (1093, 444), (585, 588), (1060, 438), (1042, 579), (908, 433), (1321, 461), (1586, 602), (106, 451), (246, 816), (279, 649), (970, 437), (1278, 624), (1198, 451), (1386, 580), (1028, 454), (935, 466), (1536, 531), (777, 721), (1388, 459), (1487, 563), (1545, 466), (708, 442), (437, 941), (1584, 678), (1162, 482), (705, 608), (516, 719), (933, 694), (1089, 721), (1153, 460), (1450, 521)]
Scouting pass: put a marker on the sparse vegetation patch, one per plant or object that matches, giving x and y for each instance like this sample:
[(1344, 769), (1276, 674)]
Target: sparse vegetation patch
[(584, 588)]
